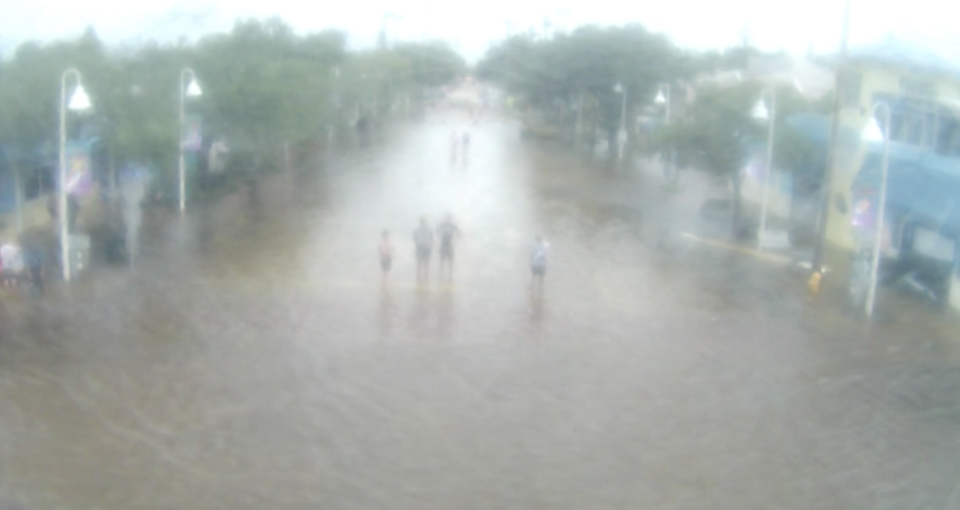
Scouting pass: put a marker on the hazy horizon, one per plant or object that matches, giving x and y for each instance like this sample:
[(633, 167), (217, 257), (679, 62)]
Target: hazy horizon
[(770, 27)]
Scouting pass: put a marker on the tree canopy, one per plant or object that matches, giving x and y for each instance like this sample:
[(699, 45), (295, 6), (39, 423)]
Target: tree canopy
[(715, 131), (589, 61), (262, 83)]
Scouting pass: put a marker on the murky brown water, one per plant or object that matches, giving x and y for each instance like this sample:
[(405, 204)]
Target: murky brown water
[(253, 359)]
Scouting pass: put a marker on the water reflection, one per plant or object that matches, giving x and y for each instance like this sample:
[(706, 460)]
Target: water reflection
[(254, 206), (249, 381), (445, 303), (206, 232), (536, 305), (386, 311), (420, 312)]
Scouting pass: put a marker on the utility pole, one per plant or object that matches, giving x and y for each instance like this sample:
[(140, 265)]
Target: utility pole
[(825, 185)]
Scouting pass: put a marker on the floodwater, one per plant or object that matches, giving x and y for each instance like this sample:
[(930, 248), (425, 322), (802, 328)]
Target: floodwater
[(253, 357)]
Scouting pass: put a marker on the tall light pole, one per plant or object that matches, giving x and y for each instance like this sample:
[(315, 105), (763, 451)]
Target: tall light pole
[(622, 134), (78, 101), (665, 101), (336, 107), (186, 90), (873, 133), (760, 113), (826, 183), (579, 128)]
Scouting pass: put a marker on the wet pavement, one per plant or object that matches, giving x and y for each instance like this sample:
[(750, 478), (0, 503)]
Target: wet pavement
[(253, 358)]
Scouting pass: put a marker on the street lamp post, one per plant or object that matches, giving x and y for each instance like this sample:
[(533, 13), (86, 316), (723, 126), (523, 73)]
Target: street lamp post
[(665, 101), (622, 134), (78, 101), (191, 90), (336, 107), (760, 113), (579, 127), (873, 133)]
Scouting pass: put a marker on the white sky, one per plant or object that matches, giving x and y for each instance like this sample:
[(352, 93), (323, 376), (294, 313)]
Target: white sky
[(772, 25)]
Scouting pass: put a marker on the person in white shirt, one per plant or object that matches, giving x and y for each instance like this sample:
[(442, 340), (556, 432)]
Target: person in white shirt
[(538, 262), (11, 258)]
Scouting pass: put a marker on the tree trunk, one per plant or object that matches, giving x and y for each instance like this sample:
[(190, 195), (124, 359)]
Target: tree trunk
[(735, 217)]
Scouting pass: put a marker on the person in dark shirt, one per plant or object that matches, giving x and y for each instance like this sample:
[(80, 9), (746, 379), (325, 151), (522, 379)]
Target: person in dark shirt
[(386, 254), (538, 263), (34, 260), (447, 231), (423, 239)]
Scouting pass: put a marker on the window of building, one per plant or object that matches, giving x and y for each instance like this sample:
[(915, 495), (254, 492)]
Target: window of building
[(948, 134), (917, 87), (851, 84), (908, 126), (913, 121)]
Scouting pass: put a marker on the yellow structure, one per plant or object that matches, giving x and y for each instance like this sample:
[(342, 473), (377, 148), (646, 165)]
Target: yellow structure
[(923, 88)]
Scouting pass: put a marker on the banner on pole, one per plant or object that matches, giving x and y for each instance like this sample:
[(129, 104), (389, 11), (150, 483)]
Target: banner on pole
[(79, 173), (192, 133)]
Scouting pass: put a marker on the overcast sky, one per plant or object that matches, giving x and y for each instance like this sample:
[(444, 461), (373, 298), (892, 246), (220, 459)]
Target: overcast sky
[(794, 26)]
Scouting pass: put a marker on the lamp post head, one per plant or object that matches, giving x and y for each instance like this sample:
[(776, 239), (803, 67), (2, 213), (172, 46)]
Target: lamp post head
[(618, 88), (660, 99), (872, 132), (193, 89), (760, 112), (79, 100)]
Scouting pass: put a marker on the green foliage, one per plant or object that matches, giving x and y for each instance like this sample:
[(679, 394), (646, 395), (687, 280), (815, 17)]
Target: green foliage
[(430, 64), (717, 130), (717, 134), (262, 85), (591, 60)]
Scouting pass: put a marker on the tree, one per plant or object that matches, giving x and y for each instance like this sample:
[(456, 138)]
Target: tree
[(715, 135), (587, 62), (263, 86), (30, 99), (430, 64)]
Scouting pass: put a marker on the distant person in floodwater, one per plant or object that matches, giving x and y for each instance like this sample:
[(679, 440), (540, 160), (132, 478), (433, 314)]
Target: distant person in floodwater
[(34, 260), (447, 231), (11, 262), (386, 254), (423, 240), (454, 140), (538, 262)]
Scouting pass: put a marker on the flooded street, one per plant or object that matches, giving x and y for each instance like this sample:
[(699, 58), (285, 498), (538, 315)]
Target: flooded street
[(252, 358)]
